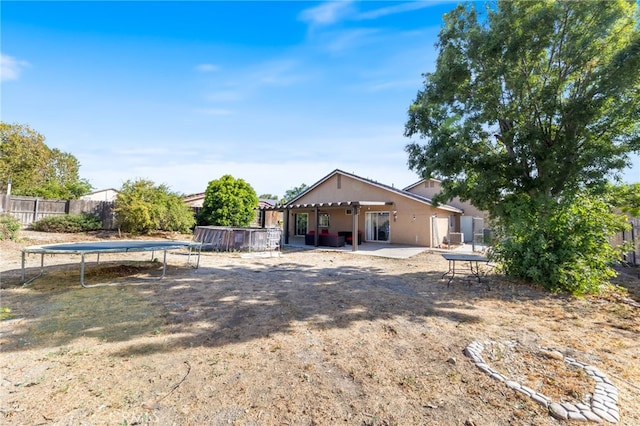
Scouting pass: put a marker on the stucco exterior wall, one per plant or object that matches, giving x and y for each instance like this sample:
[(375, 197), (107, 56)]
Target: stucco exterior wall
[(429, 188), (410, 221)]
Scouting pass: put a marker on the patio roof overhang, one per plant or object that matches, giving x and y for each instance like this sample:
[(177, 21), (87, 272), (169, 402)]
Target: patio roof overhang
[(331, 204)]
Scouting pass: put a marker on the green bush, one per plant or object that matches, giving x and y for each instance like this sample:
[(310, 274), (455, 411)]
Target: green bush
[(564, 246), (143, 207), (9, 227), (68, 223)]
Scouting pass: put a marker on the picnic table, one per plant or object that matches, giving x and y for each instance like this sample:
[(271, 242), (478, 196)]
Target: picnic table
[(466, 262)]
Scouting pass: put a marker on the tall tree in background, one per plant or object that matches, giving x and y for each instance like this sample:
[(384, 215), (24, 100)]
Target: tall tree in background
[(530, 110), (293, 193), (35, 169), (228, 202)]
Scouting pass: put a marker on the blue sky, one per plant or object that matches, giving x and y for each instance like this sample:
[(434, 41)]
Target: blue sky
[(181, 93)]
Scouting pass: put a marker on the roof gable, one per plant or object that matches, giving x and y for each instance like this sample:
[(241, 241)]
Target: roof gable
[(387, 188)]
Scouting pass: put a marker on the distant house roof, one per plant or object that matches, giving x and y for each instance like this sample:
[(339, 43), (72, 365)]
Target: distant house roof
[(193, 197)]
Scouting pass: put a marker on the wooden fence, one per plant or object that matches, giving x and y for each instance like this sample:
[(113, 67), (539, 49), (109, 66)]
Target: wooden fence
[(631, 236), (31, 209)]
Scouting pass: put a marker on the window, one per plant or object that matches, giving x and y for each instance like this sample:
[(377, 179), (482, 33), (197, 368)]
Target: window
[(348, 212), (323, 220)]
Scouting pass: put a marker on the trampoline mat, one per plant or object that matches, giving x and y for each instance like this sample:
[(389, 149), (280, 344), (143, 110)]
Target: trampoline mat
[(109, 246)]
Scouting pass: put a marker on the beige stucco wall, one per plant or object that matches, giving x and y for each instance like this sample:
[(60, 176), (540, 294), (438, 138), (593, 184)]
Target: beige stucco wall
[(411, 224), (429, 188)]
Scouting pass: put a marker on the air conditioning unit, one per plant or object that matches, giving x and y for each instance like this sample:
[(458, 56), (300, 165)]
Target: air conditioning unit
[(455, 237)]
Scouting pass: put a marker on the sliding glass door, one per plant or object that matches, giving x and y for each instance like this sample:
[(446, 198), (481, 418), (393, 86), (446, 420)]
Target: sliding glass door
[(302, 223), (377, 226)]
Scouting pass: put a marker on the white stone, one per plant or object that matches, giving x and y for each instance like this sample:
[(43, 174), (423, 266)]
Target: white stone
[(513, 385), (604, 415), (576, 416), (558, 411), (569, 407), (540, 399), (590, 415)]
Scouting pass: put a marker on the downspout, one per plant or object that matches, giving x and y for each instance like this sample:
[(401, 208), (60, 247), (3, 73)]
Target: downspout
[(354, 229)]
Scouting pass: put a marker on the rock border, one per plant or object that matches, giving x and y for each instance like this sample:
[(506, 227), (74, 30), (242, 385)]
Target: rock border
[(604, 400)]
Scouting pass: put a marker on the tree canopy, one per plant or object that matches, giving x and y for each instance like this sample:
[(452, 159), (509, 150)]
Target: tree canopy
[(533, 105), (35, 169), (293, 193), (228, 202)]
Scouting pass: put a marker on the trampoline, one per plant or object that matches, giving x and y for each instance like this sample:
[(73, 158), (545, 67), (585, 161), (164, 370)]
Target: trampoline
[(100, 247)]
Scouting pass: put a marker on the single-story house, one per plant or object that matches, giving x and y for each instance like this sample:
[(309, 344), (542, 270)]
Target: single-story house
[(108, 194), (343, 205)]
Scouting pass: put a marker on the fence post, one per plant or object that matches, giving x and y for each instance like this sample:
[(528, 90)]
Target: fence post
[(35, 210)]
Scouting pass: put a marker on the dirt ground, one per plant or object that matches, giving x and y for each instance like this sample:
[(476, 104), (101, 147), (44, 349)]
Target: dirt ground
[(309, 337)]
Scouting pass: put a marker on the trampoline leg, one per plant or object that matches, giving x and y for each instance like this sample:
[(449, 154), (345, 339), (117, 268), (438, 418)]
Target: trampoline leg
[(82, 270), (164, 264), (26, 283)]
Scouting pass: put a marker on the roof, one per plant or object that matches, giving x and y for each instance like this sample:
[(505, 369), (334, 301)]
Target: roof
[(292, 204)]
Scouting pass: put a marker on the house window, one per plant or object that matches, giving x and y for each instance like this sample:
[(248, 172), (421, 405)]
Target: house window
[(323, 220)]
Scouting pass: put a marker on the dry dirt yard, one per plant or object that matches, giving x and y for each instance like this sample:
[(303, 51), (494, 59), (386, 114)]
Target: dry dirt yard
[(305, 338)]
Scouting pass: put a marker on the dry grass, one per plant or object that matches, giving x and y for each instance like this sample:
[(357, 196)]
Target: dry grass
[(308, 338)]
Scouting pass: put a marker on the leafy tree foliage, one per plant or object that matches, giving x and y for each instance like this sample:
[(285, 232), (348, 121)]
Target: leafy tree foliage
[(35, 169), (228, 202), (627, 198), (141, 207), (293, 193), (267, 197), (530, 110)]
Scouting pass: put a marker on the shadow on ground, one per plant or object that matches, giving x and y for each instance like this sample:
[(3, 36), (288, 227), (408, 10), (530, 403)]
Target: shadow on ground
[(232, 303)]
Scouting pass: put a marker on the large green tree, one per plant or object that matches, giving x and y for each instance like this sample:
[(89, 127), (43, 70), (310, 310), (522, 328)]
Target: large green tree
[(142, 207), (228, 202), (532, 107), (35, 169)]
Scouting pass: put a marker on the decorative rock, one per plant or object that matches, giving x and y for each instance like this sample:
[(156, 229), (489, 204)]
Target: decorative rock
[(498, 376), (540, 399), (513, 385), (591, 416), (558, 411), (576, 416), (604, 415), (484, 367), (603, 400), (569, 407)]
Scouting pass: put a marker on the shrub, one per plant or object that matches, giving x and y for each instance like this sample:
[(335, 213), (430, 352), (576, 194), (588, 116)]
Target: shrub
[(566, 246), (9, 227), (143, 207), (68, 223)]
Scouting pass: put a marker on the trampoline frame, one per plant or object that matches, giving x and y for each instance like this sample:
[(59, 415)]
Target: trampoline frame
[(98, 247)]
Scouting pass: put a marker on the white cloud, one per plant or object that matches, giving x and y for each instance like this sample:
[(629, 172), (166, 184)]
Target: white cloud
[(11, 68), (392, 10), (326, 13), (207, 67)]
